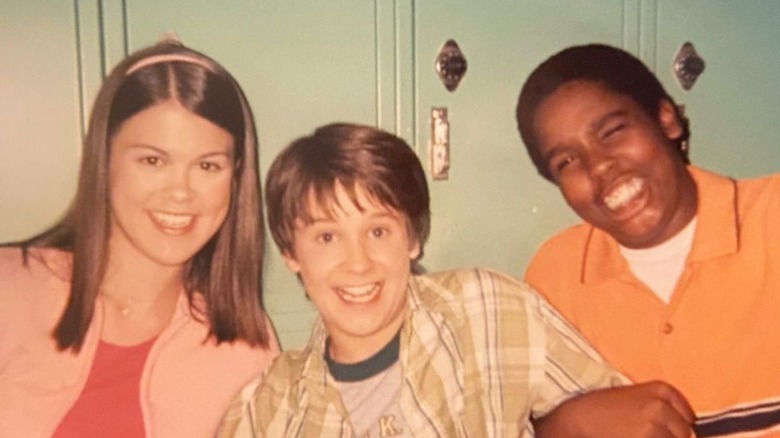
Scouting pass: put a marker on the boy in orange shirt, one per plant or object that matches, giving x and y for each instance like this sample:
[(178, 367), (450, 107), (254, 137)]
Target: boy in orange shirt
[(675, 273)]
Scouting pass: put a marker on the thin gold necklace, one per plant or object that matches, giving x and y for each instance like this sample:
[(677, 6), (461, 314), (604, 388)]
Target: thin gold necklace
[(125, 303)]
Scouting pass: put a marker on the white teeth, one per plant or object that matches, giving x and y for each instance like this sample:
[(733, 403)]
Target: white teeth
[(359, 294), (623, 193), (171, 220)]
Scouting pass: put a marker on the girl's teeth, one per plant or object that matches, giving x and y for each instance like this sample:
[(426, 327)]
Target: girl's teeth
[(170, 220), (623, 193)]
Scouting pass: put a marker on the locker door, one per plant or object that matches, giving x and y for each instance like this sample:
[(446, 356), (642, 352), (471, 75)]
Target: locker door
[(733, 106), (39, 122), (494, 210)]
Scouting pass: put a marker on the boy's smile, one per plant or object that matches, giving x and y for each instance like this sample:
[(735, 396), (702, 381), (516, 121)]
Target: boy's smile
[(354, 260), (616, 166), (360, 294)]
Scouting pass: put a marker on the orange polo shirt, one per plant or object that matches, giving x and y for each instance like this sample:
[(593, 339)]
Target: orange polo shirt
[(718, 339)]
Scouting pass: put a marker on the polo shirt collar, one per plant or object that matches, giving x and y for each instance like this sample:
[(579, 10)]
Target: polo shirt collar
[(717, 231)]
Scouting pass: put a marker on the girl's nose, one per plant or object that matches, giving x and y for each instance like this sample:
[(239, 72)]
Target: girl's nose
[(180, 186)]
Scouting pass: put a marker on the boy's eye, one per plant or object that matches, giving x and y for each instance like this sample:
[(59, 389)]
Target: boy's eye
[(561, 162), (378, 232), (325, 237), (610, 130)]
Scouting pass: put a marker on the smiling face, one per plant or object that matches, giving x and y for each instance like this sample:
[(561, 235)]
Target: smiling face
[(615, 165), (170, 173), (354, 261)]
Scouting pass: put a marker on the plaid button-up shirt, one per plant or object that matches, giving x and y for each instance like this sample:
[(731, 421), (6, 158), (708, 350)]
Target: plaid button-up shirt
[(481, 354)]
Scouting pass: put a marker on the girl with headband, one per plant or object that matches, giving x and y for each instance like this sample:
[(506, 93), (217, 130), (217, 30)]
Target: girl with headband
[(140, 313)]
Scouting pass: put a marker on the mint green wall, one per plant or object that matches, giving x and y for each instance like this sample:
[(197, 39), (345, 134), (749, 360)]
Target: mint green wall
[(305, 63), (735, 105), (39, 123)]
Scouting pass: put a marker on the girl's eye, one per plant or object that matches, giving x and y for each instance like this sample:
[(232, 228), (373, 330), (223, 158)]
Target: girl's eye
[(378, 232), (210, 166), (151, 160)]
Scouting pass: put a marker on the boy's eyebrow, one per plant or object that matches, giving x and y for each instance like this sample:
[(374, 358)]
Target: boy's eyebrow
[(384, 213), (594, 127), (312, 219), (606, 118), (553, 151)]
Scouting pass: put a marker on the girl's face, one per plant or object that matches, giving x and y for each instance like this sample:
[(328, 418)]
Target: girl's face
[(170, 174), (615, 165)]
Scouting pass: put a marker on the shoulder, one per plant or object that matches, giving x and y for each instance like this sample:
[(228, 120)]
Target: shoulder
[(32, 295), (765, 188), (561, 251), (461, 283), (760, 190), (288, 366), (460, 278), (567, 242), (12, 260), (35, 262), (466, 294), (264, 406), (758, 206), (35, 272)]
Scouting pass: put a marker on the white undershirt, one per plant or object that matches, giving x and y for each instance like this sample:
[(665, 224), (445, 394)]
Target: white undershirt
[(660, 267)]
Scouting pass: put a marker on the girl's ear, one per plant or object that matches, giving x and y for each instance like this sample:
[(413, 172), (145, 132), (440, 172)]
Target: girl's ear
[(291, 263), (669, 120)]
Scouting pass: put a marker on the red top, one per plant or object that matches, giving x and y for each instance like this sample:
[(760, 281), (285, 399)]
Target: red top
[(110, 404)]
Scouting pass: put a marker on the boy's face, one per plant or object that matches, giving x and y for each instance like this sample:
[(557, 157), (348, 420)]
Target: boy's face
[(355, 266), (615, 165)]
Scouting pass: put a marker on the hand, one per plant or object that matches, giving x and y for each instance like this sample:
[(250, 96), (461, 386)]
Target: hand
[(648, 410)]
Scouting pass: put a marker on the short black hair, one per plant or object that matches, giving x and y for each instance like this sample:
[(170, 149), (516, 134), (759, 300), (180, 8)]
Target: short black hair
[(613, 68)]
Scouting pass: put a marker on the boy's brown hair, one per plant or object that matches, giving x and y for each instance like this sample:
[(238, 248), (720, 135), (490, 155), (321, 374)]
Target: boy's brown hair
[(352, 155)]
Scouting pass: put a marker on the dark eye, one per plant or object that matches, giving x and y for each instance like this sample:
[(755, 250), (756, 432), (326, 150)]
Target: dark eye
[(210, 166), (565, 162), (378, 232), (151, 160), (561, 162), (325, 237), (614, 129)]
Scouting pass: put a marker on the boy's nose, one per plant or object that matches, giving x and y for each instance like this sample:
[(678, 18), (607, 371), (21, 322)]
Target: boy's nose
[(601, 165), (358, 258)]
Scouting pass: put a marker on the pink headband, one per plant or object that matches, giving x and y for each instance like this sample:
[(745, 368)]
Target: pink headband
[(168, 57)]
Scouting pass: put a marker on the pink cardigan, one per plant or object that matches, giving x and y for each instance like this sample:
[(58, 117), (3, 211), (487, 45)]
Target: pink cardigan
[(186, 384)]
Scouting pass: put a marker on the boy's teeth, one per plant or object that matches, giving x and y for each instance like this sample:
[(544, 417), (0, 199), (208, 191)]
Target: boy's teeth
[(170, 220), (623, 193), (359, 294)]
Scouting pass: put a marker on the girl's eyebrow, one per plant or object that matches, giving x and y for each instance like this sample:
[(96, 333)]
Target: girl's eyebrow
[(147, 146), (227, 154)]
